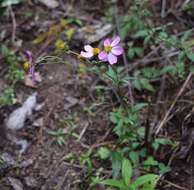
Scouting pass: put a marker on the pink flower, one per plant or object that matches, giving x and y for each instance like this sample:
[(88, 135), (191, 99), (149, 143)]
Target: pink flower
[(112, 49), (89, 51)]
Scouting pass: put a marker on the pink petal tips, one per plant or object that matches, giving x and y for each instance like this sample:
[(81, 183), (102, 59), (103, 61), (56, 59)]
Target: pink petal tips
[(103, 56)]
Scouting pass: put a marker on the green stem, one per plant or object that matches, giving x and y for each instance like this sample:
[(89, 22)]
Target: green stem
[(118, 90)]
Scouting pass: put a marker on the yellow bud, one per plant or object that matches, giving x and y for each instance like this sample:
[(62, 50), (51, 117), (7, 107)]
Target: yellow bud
[(96, 51), (60, 45), (26, 66)]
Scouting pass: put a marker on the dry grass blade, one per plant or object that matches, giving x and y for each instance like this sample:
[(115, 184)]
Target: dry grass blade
[(175, 185), (161, 124)]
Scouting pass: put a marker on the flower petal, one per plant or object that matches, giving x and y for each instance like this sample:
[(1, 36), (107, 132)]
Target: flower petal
[(107, 42), (112, 59), (115, 41), (29, 56), (86, 54), (32, 72), (117, 50), (88, 48), (103, 56)]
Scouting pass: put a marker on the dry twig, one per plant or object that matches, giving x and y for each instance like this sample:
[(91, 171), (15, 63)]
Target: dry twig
[(163, 11), (175, 185), (13, 24)]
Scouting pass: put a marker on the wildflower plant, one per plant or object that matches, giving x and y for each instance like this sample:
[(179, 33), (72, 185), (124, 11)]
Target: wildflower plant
[(126, 120), (103, 64), (103, 61)]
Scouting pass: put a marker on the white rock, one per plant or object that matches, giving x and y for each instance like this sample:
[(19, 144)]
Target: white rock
[(30, 103), (99, 32), (50, 3), (17, 118)]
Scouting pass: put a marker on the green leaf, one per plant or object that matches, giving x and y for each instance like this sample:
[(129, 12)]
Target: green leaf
[(139, 51), (116, 164), (137, 84), (186, 36), (181, 56), (167, 69), (190, 55), (131, 53), (143, 152), (150, 161), (141, 33), (114, 183), (113, 117), (149, 186), (134, 156), (104, 153), (145, 179), (4, 50), (124, 32), (138, 106), (147, 39), (164, 169), (146, 84), (132, 187), (111, 74), (8, 97), (126, 171), (191, 68)]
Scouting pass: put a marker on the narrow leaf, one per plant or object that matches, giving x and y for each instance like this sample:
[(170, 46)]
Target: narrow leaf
[(126, 171), (114, 183), (144, 179)]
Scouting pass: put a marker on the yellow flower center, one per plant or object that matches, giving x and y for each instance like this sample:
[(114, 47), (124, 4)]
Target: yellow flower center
[(60, 45), (108, 48), (96, 51), (26, 66)]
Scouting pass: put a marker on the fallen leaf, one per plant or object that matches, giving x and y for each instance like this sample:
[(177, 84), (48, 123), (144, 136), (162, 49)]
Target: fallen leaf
[(31, 182), (29, 82), (39, 122), (70, 102)]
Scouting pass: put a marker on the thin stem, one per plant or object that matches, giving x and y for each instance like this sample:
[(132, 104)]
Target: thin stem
[(118, 89), (124, 56)]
